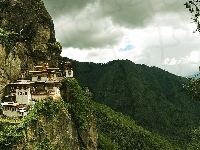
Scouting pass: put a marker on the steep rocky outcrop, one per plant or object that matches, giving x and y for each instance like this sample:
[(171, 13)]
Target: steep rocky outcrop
[(27, 37), (53, 124)]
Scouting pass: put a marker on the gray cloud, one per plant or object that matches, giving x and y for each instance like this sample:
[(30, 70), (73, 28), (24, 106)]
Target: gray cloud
[(87, 33), (85, 25), (100, 25), (125, 13), (60, 7)]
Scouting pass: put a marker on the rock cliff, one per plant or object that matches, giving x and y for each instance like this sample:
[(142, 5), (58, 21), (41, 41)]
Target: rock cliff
[(54, 123), (27, 37)]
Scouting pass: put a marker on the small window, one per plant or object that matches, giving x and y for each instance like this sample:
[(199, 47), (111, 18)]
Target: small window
[(20, 93), (25, 93)]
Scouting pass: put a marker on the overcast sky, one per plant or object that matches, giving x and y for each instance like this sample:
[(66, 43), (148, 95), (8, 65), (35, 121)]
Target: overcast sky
[(152, 32)]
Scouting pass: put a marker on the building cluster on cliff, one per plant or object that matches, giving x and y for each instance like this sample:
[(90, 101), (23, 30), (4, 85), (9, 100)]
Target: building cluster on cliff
[(44, 82)]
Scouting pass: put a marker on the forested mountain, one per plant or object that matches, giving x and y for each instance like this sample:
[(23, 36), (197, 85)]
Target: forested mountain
[(117, 131), (154, 98), (69, 124), (160, 114)]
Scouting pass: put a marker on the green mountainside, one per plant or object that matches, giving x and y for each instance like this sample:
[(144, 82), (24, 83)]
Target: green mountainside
[(62, 124), (53, 124), (117, 131), (134, 107), (154, 98)]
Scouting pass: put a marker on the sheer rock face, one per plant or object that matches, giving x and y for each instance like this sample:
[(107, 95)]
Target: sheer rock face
[(27, 37), (60, 132)]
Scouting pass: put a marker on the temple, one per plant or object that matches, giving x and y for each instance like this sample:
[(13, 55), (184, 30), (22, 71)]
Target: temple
[(24, 93)]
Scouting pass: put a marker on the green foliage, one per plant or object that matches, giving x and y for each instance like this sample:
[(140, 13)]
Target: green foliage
[(194, 8), (104, 142), (154, 98), (10, 136), (37, 129), (8, 38), (80, 105), (17, 18), (44, 145), (47, 107), (56, 46), (117, 131), (195, 139), (193, 88)]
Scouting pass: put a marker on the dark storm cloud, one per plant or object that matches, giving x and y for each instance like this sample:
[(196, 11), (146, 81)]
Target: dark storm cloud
[(127, 13), (96, 24), (60, 7), (131, 13), (88, 33), (137, 13)]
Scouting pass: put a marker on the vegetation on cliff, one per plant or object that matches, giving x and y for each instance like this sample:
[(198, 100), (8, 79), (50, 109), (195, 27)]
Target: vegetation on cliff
[(45, 127), (81, 110), (69, 123), (115, 131), (27, 37), (53, 124), (160, 114)]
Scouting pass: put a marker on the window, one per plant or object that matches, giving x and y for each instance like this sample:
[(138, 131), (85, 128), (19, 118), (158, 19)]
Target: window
[(19, 93), (39, 77), (25, 93)]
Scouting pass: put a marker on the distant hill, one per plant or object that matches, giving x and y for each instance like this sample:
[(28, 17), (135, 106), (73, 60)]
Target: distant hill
[(154, 98), (196, 74)]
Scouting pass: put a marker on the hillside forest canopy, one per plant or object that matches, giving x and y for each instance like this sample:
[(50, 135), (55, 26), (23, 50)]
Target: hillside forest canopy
[(193, 87)]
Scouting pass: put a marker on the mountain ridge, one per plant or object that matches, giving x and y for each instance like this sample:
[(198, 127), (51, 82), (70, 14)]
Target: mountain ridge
[(154, 98)]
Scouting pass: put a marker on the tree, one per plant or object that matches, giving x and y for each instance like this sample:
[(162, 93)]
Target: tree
[(193, 87), (194, 8)]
